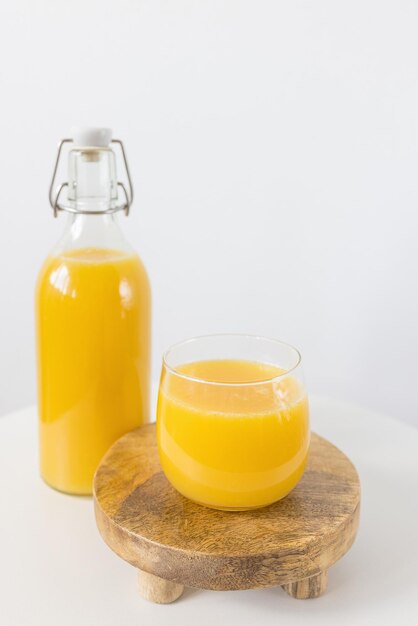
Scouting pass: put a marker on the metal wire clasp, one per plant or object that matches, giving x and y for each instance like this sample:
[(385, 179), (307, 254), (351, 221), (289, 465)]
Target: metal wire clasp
[(55, 190)]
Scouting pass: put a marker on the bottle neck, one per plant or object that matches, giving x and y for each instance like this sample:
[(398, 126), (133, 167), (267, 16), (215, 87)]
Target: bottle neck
[(92, 182), (92, 231), (92, 195)]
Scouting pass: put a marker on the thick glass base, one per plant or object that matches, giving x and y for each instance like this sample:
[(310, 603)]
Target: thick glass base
[(238, 508), (67, 492)]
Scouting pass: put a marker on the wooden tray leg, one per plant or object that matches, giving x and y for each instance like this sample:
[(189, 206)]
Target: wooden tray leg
[(156, 589), (312, 587)]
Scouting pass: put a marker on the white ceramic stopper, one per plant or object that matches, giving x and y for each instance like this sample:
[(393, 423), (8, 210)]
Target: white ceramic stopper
[(91, 137)]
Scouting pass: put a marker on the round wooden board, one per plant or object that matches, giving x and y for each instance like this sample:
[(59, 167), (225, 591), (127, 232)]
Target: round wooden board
[(149, 524)]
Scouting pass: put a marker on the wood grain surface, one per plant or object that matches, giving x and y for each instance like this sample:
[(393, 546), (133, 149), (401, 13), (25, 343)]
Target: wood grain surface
[(146, 522)]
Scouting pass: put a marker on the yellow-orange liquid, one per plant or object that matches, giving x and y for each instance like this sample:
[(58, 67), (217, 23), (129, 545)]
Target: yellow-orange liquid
[(93, 343), (232, 447)]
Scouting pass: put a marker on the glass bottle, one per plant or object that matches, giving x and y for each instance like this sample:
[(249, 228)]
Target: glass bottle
[(93, 320)]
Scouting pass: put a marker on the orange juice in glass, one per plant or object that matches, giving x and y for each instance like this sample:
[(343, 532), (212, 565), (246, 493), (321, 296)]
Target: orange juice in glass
[(233, 420)]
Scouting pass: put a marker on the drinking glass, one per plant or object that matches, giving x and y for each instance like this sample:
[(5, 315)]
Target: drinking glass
[(232, 420)]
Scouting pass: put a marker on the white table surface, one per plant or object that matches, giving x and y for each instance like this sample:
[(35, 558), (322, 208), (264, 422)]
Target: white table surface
[(56, 570)]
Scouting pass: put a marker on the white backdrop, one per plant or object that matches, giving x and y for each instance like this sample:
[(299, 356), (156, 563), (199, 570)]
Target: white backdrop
[(274, 150)]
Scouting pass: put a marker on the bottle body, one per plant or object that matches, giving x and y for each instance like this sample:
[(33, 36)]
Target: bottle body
[(93, 316)]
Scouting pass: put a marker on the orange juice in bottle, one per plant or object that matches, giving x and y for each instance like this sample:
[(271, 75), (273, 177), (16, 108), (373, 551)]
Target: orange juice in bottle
[(93, 319)]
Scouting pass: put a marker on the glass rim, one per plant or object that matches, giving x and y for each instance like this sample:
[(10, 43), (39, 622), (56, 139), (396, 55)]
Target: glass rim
[(271, 379)]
